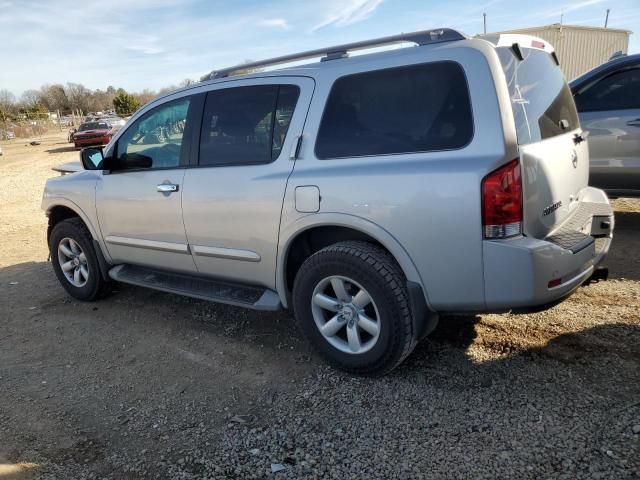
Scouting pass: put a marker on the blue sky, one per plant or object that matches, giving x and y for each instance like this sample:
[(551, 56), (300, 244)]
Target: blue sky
[(138, 44)]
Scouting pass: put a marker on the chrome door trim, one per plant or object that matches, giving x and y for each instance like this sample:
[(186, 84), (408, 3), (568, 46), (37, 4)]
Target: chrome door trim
[(149, 244), (223, 252)]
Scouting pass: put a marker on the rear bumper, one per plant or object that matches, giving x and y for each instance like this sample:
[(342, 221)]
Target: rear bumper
[(517, 271)]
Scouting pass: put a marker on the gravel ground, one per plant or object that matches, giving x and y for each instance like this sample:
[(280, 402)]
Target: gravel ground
[(150, 385)]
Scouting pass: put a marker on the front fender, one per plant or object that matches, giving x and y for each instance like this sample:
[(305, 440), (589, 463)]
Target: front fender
[(51, 202)]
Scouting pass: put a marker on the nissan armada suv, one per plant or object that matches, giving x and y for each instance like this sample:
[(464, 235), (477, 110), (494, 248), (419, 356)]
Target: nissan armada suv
[(369, 194)]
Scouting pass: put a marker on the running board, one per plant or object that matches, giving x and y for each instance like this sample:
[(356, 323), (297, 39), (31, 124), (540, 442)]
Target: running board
[(255, 298)]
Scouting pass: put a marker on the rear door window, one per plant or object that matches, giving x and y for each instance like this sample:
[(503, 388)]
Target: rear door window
[(246, 125), (541, 100), (418, 108)]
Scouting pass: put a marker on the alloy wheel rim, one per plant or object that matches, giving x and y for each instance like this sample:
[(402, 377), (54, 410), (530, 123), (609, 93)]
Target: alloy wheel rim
[(73, 262), (345, 314)]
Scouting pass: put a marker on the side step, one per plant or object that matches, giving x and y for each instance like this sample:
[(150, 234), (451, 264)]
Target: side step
[(255, 298)]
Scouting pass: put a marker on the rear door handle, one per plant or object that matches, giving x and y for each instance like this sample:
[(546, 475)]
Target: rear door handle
[(634, 123), (167, 187)]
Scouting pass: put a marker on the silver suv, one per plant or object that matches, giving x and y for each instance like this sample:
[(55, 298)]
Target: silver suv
[(368, 194)]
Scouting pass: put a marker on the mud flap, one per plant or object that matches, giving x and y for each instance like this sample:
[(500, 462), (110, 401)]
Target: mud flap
[(424, 320)]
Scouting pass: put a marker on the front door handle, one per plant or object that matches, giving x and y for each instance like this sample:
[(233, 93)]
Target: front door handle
[(634, 123), (167, 187)]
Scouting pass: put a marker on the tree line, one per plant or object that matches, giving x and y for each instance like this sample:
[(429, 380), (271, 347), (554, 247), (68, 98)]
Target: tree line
[(75, 97)]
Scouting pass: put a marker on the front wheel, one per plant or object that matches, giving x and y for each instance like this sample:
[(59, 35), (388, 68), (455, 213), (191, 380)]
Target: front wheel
[(350, 301), (75, 262)]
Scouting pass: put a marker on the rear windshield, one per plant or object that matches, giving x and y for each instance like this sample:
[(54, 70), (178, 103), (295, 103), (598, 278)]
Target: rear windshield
[(543, 106)]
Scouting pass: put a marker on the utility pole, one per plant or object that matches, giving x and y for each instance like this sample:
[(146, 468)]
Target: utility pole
[(484, 19), (606, 19)]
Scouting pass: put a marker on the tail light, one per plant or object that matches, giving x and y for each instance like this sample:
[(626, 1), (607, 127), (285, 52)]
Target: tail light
[(502, 202)]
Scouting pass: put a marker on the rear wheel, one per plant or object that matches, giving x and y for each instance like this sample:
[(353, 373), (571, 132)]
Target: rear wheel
[(351, 303), (75, 262)]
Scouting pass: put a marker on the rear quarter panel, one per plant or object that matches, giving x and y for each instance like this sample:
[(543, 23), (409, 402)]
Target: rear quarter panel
[(428, 202)]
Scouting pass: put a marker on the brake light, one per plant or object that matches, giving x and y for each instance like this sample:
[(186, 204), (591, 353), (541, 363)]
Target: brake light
[(537, 44), (502, 202)]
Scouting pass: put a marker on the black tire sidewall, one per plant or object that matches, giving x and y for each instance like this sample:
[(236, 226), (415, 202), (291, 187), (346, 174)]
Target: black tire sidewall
[(67, 229), (337, 263)]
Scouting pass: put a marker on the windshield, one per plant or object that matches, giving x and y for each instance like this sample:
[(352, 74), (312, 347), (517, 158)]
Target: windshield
[(94, 126), (542, 103)]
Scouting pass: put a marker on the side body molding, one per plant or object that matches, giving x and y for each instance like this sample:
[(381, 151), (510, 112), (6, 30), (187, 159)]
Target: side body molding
[(292, 230)]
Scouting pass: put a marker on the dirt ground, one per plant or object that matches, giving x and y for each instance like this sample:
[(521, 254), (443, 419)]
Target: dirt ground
[(150, 385)]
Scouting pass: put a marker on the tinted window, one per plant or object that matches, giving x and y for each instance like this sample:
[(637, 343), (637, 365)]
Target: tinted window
[(246, 125), (542, 103), (618, 91), (94, 126), (410, 109), (155, 139)]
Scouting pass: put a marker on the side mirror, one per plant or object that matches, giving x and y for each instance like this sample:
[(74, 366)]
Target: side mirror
[(92, 158)]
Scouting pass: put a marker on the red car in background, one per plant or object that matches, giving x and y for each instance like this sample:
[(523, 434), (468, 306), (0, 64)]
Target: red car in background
[(93, 134)]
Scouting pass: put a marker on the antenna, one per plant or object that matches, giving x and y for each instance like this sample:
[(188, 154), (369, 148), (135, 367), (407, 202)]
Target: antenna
[(606, 19), (484, 18)]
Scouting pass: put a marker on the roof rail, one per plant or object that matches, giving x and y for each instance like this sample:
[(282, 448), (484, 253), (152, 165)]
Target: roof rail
[(423, 37)]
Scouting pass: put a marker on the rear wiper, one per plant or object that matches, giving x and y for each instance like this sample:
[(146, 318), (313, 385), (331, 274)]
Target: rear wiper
[(517, 51)]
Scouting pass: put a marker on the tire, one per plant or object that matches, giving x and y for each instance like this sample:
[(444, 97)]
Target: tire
[(361, 266), (90, 287)]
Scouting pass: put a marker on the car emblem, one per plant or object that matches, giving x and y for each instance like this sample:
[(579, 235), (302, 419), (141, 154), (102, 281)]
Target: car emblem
[(574, 159)]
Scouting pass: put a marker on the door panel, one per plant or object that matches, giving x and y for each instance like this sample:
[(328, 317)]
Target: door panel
[(614, 148), (141, 225), (232, 211), (139, 202)]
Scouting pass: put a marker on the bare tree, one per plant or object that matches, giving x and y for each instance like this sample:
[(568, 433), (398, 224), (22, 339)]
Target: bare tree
[(78, 96), (7, 104), (145, 96), (7, 99), (54, 98), (30, 99)]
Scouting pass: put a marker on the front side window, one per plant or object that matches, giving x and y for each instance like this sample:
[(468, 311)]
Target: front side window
[(418, 108), (154, 140), (246, 125), (618, 91)]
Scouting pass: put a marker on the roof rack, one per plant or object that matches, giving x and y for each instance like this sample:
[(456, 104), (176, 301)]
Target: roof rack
[(423, 37)]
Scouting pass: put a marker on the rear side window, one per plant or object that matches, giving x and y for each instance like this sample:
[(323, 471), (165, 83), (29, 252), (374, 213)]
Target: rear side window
[(618, 91), (542, 102), (418, 108), (246, 125)]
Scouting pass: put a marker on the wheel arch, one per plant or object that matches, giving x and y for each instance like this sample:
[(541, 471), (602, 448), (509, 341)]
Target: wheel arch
[(330, 228), (63, 209)]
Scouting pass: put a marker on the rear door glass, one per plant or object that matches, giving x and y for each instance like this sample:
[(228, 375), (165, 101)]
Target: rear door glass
[(246, 125), (542, 102), (417, 108)]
